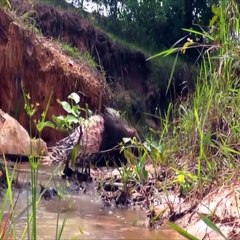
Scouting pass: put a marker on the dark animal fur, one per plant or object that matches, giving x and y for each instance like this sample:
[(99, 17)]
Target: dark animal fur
[(114, 131), (16, 157)]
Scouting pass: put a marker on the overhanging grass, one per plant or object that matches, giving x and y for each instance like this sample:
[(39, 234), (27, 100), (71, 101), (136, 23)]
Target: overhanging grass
[(203, 131)]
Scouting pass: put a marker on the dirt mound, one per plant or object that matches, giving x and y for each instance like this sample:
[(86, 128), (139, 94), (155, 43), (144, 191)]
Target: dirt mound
[(38, 65)]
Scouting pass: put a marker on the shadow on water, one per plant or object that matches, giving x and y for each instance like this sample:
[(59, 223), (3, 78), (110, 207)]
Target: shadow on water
[(86, 217)]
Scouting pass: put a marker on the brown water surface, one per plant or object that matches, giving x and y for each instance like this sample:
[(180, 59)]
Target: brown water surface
[(85, 215)]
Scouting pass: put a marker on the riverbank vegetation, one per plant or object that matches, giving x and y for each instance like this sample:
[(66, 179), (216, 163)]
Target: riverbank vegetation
[(195, 147)]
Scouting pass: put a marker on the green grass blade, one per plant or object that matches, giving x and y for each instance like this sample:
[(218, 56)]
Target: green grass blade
[(204, 34), (182, 232), (164, 53), (212, 225), (171, 75), (61, 230)]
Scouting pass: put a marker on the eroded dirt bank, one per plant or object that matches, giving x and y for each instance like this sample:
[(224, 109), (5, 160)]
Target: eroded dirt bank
[(127, 73), (38, 66), (121, 64), (138, 85)]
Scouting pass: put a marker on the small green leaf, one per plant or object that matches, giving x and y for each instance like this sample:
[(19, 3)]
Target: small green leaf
[(41, 125), (66, 106), (213, 20), (71, 119), (74, 153), (216, 10), (59, 120), (130, 157), (75, 97)]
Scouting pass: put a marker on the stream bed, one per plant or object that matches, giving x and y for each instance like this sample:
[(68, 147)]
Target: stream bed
[(84, 213)]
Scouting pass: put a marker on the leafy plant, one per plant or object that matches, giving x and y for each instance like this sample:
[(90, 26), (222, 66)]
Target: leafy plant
[(34, 160), (141, 172), (73, 110), (126, 174), (186, 180), (136, 154), (72, 119)]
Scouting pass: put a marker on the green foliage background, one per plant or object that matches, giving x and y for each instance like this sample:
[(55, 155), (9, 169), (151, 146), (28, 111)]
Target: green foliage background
[(155, 24)]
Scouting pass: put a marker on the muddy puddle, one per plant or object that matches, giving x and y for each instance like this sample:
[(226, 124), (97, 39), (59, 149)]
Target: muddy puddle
[(85, 215)]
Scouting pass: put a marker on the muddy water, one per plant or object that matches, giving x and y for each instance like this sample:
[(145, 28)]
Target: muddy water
[(85, 215)]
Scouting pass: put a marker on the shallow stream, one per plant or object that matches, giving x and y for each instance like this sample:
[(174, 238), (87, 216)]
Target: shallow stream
[(85, 215)]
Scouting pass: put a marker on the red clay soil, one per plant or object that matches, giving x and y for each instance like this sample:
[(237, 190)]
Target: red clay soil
[(38, 65), (127, 71), (121, 64)]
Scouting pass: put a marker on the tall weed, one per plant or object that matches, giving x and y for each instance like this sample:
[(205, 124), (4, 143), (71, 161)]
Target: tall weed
[(203, 128)]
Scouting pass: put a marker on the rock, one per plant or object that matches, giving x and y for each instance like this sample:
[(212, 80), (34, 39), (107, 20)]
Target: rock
[(14, 139)]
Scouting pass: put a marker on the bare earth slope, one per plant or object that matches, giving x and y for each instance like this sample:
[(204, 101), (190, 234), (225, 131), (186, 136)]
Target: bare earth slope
[(36, 64), (126, 70)]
